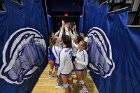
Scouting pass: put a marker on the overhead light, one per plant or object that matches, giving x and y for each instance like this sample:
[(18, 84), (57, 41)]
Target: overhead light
[(66, 14)]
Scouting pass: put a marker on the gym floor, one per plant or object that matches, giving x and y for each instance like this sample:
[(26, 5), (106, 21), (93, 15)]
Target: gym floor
[(46, 85)]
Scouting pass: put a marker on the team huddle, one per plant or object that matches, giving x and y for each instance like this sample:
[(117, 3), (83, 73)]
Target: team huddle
[(67, 52)]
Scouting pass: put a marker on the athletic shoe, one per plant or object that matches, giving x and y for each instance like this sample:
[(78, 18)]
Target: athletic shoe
[(58, 86), (76, 83), (83, 90), (71, 87), (73, 73), (51, 77)]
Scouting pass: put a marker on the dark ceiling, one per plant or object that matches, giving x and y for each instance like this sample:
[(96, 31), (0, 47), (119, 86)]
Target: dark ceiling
[(59, 7)]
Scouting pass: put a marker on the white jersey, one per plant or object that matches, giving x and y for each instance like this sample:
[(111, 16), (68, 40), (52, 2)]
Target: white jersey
[(82, 60), (66, 65), (56, 50), (69, 33), (59, 33)]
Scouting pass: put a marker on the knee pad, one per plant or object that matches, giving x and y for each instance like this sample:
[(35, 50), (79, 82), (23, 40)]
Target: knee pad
[(56, 69), (51, 70), (66, 85), (70, 78), (81, 82)]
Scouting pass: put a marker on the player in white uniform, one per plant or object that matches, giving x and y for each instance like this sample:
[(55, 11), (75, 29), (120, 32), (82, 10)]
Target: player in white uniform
[(51, 59), (66, 65), (68, 31), (56, 50), (75, 43), (85, 39), (81, 63), (60, 32), (65, 29)]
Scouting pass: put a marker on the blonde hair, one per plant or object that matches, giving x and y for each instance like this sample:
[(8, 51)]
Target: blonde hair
[(52, 41)]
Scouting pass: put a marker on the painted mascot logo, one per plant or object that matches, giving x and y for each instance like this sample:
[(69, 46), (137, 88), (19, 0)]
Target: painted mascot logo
[(23, 53), (100, 53)]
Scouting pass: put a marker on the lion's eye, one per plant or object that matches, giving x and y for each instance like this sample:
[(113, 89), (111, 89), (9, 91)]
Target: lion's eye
[(95, 34), (27, 35), (20, 53)]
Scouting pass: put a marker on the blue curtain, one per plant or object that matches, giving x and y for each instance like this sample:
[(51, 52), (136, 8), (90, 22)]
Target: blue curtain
[(90, 12), (23, 40), (80, 23), (114, 52), (50, 24)]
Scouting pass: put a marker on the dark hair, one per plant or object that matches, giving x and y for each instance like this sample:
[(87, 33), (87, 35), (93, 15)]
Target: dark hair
[(67, 41), (80, 38), (85, 44)]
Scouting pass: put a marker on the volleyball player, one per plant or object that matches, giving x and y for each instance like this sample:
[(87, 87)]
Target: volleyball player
[(51, 58), (56, 50), (81, 63), (66, 65)]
